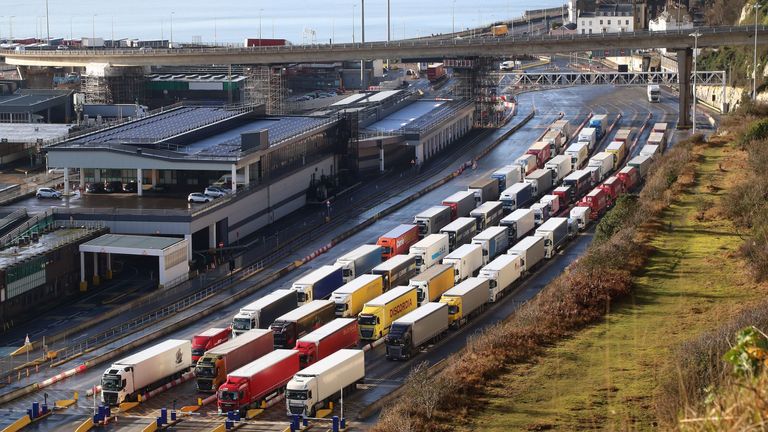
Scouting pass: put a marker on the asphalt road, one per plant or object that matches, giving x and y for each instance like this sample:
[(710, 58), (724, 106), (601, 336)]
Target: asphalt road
[(575, 103)]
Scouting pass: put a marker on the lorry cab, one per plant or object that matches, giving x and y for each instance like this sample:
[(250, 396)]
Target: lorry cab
[(399, 341), (208, 339), (114, 383), (232, 392)]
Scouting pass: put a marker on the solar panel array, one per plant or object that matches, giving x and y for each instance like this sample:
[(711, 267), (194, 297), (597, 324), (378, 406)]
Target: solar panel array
[(159, 127), (280, 129)]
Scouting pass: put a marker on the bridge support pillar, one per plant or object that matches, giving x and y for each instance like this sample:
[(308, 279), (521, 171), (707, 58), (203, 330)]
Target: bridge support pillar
[(684, 66)]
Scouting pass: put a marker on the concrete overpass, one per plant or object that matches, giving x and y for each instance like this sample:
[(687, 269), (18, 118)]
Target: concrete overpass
[(677, 40), (413, 49)]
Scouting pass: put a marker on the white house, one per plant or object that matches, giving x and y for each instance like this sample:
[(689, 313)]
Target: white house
[(671, 18), (607, 18)]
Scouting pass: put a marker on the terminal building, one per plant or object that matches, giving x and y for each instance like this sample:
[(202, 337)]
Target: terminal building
[(274, 162)]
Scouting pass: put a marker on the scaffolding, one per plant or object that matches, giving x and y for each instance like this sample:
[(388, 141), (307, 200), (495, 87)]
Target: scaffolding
[(265, 85), (477, 82), (114, 86)]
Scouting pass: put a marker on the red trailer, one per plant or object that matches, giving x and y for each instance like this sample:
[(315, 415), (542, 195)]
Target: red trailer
[(435, 72), (250, 384), (613, 187), (542, 152), (338, 334), (256, 42), (629, 176), (398, 240), (597, 201), (207, 340)]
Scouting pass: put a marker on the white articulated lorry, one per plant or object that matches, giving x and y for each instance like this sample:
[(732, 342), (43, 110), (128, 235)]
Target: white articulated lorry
[(311, 388), (125, 379)]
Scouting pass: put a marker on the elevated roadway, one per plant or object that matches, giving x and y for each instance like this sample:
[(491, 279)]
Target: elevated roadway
[(413, 49)]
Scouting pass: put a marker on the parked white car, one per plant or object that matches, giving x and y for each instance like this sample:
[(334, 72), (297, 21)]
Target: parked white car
[(197, 197), (48, 193), (216, 192)]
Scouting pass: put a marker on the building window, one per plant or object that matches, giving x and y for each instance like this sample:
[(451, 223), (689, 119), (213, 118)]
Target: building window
[(590, 31), (601, 22), (582, 31), (609, 22), (627, 22)]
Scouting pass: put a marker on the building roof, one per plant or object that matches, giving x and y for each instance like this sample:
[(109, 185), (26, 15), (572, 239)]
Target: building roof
[(45, 243), (31, 132), (30, 98), (130, 242), (196, 77)]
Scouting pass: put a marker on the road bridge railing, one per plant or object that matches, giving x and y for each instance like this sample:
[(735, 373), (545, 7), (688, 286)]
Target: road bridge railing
[(673, 39)]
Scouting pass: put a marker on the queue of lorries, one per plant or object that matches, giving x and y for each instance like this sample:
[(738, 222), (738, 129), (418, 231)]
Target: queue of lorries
[(418, 280)]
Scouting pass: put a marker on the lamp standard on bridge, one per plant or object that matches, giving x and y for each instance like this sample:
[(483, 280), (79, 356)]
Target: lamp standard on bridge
[(260, 13), (453, 17), (93, 30), (754, 57), (171, 30), (695, 37), (10, 28)]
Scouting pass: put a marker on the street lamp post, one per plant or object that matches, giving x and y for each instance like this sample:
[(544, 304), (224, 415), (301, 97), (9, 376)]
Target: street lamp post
[(354, 12), (10, 28), (260, 12), (93, 30), (362, 38), (47, 26), (695, 37), (754, 58), (453, 17)]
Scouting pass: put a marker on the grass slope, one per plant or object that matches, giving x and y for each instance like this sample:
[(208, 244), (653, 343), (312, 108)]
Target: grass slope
[(605, 377)]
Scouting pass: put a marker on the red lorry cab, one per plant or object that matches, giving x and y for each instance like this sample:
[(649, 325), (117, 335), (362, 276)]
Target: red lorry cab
[(207, 340), (338, 334), (597, 201), (398, 240), (250, 384), (564, 193), (629, 176), (613, 187)]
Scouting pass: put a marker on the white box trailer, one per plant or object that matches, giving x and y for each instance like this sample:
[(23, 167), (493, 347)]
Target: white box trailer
[(564, 126), (508, 175), (409, 332), (519, 223), (555, 232), (501, 274), (553, 202), (487, 214), (657, 138), (604, 161), (528, 162), (555, 139), (651, 150), (530, 250), (315, 385), (560, 166), (540, 213), (429, 250), (125, 379), (460, 231), (579, 154), (641, 163), (589, 136), (581, 216), (466, 261), (432, 219), (461, 203)]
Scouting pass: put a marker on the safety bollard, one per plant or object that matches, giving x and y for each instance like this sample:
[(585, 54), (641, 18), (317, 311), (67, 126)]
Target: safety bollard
[(229, 424), (29, 413), (159, 422), (335, 424), (296, 422), (35, 410), (164, 415), (107, 411), (304, 421), (44, 409), (343, 423), (173, 415), (236, 416), (229, 415)]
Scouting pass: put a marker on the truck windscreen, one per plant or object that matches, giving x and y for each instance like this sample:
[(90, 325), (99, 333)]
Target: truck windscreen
[(241, 324)]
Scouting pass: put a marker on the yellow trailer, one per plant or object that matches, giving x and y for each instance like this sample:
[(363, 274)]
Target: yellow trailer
[(351, 297), (431, 284), (499, 30), (378, 314)]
